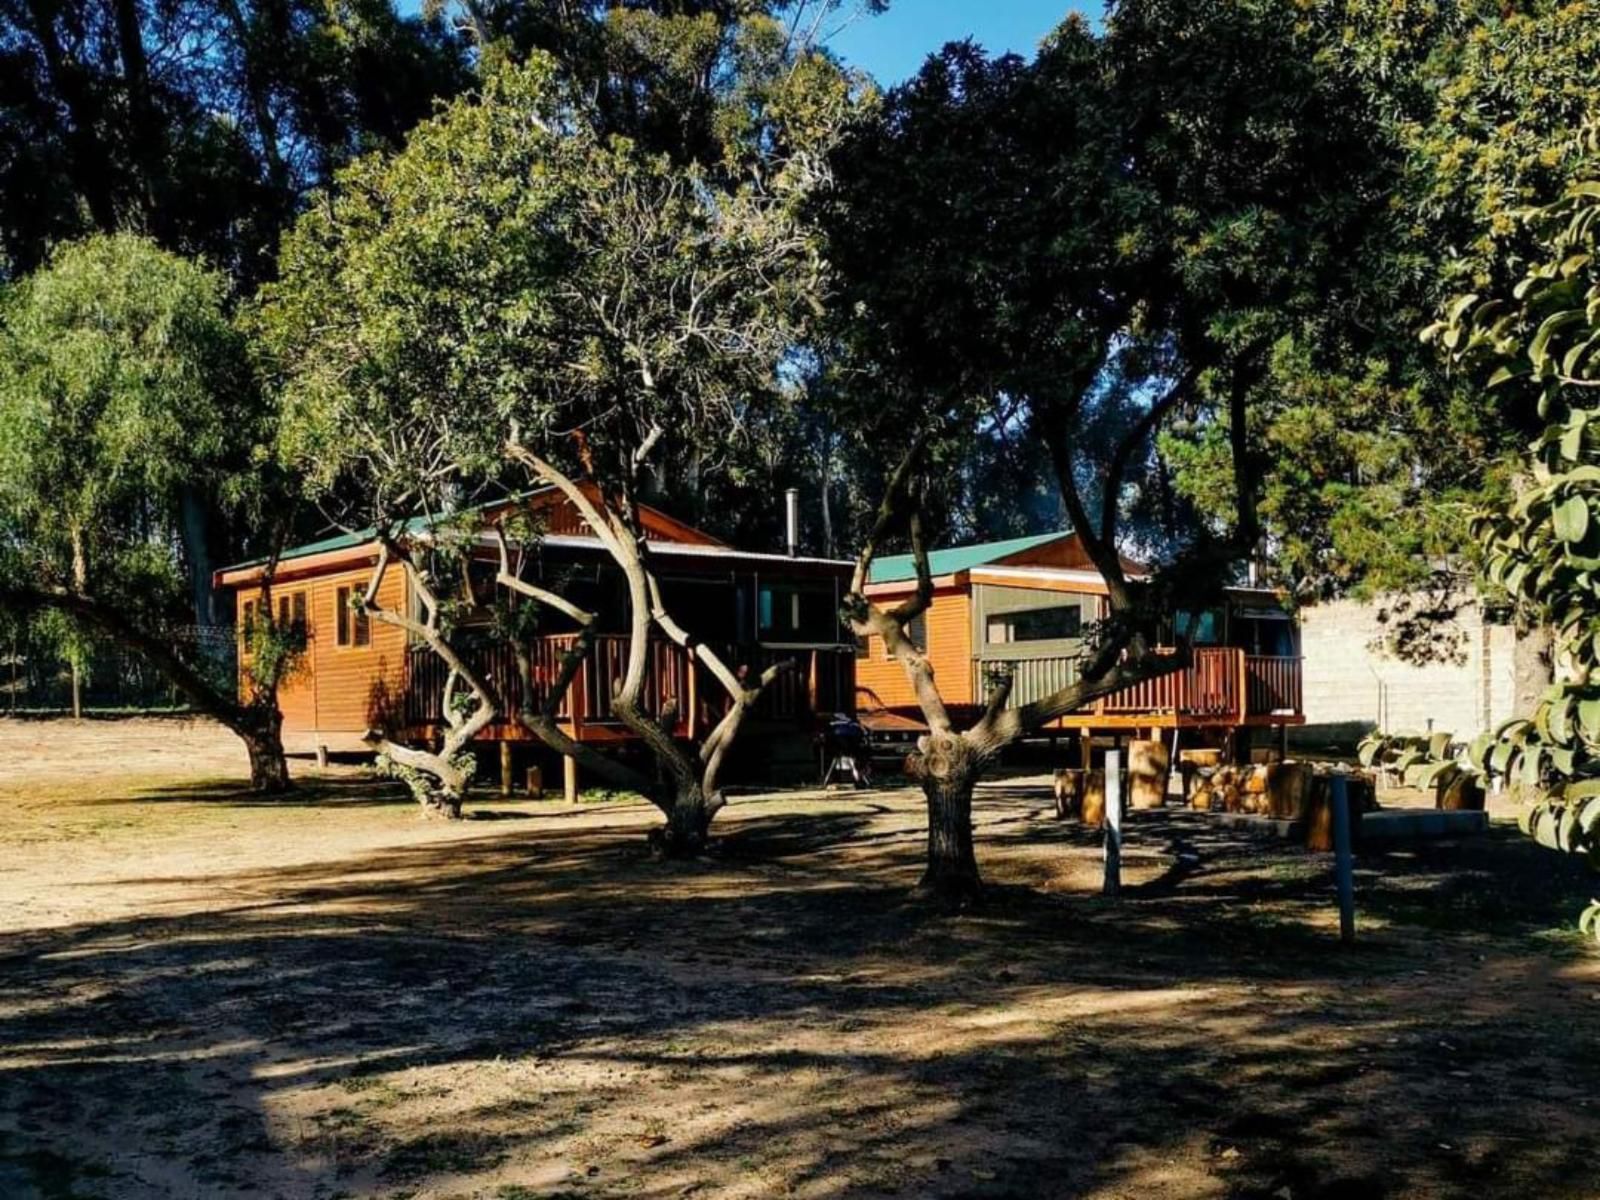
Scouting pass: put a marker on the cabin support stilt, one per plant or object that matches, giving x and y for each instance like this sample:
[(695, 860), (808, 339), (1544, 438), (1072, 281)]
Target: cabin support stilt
[(1283, 743), (507, 780), (569, 778), (322, 755), (1086, 748)]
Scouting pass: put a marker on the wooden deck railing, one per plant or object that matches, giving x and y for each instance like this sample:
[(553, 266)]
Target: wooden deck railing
[(1220, 682), (821, 681), (1274, 685)]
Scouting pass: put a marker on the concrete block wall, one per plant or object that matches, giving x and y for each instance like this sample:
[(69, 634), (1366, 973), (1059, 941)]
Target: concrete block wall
[(1352, 683)]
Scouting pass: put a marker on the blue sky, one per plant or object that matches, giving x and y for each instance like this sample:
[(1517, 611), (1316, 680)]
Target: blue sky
[(893, 46)]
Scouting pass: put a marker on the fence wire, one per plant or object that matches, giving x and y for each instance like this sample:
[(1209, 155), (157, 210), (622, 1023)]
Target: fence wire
[(36, 677)]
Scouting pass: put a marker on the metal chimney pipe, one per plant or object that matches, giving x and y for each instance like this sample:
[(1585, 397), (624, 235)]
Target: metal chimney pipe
[(791, 520)]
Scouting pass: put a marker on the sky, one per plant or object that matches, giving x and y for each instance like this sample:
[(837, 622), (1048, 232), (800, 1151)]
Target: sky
[(893, 45)]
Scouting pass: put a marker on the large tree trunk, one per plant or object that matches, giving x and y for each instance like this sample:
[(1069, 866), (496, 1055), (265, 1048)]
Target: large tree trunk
[(948, 768), (196, 520), (437, 781), (688, 825), (269, 768)]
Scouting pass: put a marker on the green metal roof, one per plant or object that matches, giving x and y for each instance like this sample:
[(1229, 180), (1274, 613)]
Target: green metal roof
[(896, 567), (343, 541)]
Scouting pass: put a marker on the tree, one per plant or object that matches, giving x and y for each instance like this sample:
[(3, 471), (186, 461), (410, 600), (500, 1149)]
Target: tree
[(981, 234), (518, 290), (121, 383), (201, 123), (1541, 343), (1129, 234), (1371, 455)]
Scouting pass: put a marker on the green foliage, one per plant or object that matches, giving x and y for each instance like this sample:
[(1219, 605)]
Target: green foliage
[(121, 382), (1372, 456), (513, 268), (201, 125), (1543, 549)]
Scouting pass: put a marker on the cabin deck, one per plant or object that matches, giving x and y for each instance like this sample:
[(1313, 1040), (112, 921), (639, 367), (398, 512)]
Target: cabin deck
[(1223, 687), (822, 681)]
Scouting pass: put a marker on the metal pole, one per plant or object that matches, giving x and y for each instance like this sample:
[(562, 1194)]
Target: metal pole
[(1343, 866), (1113, 883)]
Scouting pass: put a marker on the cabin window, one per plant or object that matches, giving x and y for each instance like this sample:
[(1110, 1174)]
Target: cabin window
[(249, 620), (351, 628), (703, 606), (1034, 625), (292, 614), (917, 630), (1201, 629), (790, 613)]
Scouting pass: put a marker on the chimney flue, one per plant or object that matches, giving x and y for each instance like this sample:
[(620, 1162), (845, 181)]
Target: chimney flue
[(791, 520)]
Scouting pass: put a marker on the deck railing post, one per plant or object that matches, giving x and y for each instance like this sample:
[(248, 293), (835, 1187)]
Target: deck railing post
[(578, 693)]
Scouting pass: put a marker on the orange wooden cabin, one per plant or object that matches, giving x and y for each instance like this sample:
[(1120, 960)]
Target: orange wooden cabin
[(358, 674), (1023, 604)]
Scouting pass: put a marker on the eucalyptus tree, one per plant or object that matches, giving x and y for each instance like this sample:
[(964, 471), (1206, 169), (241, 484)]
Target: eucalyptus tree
[(519, 293), (1120, 235), (122, 382)]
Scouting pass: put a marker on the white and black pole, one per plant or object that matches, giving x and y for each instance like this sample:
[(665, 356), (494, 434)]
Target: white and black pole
[(1113, 883)]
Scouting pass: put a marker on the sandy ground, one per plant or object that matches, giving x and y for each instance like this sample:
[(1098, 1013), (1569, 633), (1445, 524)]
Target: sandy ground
[(204, 995)]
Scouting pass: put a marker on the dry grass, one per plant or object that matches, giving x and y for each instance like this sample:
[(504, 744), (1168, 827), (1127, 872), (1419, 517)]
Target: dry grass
[(203, 995)]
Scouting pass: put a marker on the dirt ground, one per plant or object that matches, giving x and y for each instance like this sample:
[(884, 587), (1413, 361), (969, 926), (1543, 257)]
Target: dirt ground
[(206, 995)]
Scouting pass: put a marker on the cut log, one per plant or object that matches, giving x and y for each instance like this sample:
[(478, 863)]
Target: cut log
[(1289, 790), (1147, 773), (1319, 815), (1460, 790), (1069, 793), (1093, 804)]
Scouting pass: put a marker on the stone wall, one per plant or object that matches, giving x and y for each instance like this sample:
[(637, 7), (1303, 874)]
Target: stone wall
[(1353, 685)]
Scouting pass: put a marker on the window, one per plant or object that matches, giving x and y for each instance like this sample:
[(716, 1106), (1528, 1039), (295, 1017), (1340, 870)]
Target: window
[(796, 614), (292, 614), (351, 628), (1034, 625), (1201, 629), (249, 621), (917, 630)]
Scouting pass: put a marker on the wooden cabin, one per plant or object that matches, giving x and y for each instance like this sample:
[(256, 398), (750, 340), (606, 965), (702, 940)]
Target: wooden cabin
[(358, 674), (1022, 605)]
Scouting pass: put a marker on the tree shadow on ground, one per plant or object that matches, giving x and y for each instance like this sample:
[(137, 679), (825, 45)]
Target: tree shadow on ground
[(555, 1010)]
